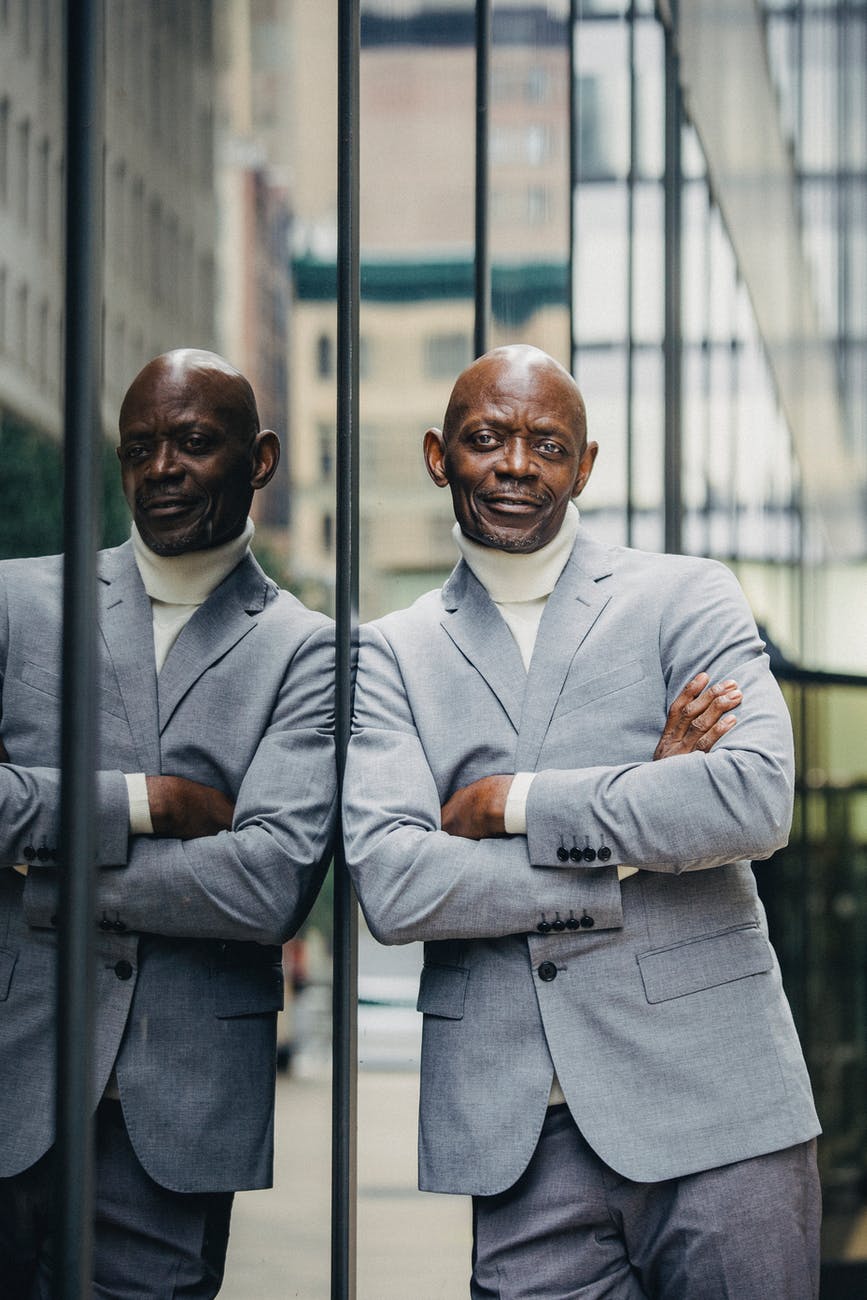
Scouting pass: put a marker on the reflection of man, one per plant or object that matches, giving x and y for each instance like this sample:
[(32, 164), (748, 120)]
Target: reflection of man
[(215, 807), (609, 1063)]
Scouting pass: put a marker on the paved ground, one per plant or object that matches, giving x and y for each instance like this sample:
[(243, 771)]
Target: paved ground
[(409, 1244)]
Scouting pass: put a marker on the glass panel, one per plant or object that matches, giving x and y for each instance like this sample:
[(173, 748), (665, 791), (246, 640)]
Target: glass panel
[(417, 165), (529, 179), (823, 947), (220, 135)]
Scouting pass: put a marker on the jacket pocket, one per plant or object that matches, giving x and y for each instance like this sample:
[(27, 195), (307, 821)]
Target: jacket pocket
[(704, 963), (7, 965), (49, 683), (248, 991), (616, 679), (442, 990)]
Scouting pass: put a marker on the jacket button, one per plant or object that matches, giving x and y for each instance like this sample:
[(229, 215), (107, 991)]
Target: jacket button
[(118, 926), (558, 925), (53, 920), (572, 923), (105, 924), (604, 853), (123, 969), (29, 852), (586, 922), (547, 971), (575, 855), (562, 854), (544, 927), (589, 855)]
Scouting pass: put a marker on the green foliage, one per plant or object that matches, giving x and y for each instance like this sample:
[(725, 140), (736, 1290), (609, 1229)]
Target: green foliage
[(31, 493)]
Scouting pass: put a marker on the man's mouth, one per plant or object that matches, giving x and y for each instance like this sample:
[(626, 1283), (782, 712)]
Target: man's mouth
[(512, 502), (165, 507)]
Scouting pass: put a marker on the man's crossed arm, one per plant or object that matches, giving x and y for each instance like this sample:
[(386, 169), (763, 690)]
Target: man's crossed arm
[(699, 716)]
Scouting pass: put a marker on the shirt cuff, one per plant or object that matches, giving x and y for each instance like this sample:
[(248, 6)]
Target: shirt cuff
[(623, 871), (515, 812), (139, 806)]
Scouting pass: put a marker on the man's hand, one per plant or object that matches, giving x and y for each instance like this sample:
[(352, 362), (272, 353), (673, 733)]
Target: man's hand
[(187, 810), (478, 811), (698, 717)]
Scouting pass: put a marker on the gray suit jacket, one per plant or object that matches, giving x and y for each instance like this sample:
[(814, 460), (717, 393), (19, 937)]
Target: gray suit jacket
[(188, 959), (665, 1017)]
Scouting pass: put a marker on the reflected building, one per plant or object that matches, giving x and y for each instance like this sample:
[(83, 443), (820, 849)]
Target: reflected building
[(160, 224)]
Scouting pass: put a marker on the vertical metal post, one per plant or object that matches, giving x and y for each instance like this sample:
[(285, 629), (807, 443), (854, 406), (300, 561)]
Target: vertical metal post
[(673, 500), (574, 177), (482, 260), (630, 284), (82, 494), (345, 974)]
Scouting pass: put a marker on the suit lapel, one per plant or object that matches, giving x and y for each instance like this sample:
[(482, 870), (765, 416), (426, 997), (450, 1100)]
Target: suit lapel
[(127, 630), (573, 607), (474, 623), (216, 626)]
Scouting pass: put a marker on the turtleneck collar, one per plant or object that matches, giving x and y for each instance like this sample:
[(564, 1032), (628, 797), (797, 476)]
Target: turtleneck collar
[(511, 576), (189, 578)]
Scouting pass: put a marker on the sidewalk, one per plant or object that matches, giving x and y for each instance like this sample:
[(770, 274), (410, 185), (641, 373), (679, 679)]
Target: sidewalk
[(409, 1243)]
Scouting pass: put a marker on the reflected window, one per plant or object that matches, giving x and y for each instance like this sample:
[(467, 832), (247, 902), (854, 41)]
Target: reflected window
[(324, 356)]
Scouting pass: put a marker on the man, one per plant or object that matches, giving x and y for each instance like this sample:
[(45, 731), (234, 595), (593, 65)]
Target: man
[(609, 1064), (215, 804)]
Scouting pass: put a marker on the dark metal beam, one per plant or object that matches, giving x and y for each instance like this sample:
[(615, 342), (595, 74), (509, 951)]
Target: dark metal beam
[(345, 970), (482, 260), (673, 498), (82, 499)]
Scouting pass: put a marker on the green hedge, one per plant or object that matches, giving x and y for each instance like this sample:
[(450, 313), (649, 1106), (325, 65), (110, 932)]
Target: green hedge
[(31, 493)]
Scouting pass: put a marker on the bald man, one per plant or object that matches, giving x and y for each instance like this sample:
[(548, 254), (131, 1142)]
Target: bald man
[(561, 766), (215, 807)]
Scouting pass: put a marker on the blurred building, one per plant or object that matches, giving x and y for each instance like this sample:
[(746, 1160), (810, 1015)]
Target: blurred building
[(254, 220), (160, 271)]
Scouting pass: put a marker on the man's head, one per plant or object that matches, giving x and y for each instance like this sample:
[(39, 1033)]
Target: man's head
[(513, 448), (191, 451)]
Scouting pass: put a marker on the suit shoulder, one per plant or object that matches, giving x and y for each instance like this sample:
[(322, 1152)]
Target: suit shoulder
[(421, 615), (285, 610), (26, 568), (670, 572)]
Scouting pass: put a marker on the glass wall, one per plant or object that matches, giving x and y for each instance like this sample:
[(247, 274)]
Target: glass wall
[(622, 240)]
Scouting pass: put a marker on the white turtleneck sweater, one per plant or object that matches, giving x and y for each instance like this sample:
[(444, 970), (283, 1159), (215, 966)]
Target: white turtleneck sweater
[(519, 584), (177, 585)]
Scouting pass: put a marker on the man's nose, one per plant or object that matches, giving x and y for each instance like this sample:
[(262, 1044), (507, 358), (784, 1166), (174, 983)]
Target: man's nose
[(164, 463), (517, 460)]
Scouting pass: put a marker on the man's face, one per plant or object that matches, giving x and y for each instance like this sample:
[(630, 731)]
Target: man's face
[(513, 451), (188, 458)]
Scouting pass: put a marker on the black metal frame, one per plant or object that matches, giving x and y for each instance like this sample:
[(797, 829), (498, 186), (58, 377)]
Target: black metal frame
[(344, 1116), (82, 501)]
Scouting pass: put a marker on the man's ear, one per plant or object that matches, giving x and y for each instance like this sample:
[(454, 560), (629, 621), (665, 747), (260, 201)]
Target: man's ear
[(266, 457), (435, 456), (585, 468)]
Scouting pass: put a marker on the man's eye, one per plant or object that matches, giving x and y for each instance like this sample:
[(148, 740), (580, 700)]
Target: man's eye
[(135, 451), (550, 448), (196, 443), (483, 439)]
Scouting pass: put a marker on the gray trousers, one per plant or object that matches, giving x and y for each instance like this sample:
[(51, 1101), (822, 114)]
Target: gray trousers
[(573, 1229), (149, 1243)]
